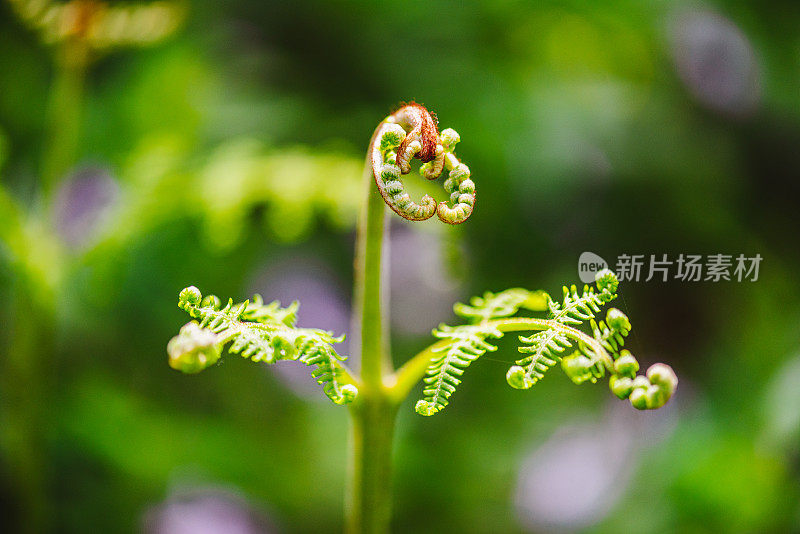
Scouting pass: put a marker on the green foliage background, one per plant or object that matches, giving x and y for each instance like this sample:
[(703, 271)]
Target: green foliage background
[(237, 143)]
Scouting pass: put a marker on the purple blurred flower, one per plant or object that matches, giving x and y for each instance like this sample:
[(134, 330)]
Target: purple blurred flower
[(575, 478), (83, 202), (322, 305), (422, 291), (205, 511), (716, 62)]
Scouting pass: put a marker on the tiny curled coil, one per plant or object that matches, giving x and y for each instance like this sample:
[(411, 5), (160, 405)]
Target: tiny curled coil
[(412, 132)]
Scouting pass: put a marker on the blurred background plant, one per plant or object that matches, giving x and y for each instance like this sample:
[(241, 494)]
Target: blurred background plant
[(129, 172)]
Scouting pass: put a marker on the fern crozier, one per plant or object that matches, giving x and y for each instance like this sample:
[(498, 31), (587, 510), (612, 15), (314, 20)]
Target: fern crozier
[(412, 132)]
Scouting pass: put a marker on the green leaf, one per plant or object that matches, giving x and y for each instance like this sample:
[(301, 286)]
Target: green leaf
[(546, 348), (465, 344), (503, 304), (591, 358), (260, 332)]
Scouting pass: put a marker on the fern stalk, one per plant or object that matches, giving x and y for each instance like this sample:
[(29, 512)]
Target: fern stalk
[(25, 382), (368, 501)]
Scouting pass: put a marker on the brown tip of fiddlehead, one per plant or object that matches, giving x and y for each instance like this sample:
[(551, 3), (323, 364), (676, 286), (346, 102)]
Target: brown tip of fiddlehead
[(412, 132), (421, 126)]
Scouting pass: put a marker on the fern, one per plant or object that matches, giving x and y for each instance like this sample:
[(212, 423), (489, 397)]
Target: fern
[(612, 335), (503, 304), (412, 132), (592, 357), (267, 332), (577, 308), (260, 332), (546, 348), (586, 364), (100, 26), (464, 344)]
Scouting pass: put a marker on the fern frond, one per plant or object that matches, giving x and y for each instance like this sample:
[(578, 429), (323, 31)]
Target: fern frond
[(464, 344), (101, 26), (260, 332), (576, 307), (546, 348), (294, 184), (592, 356), (503, 304), (259, 312)]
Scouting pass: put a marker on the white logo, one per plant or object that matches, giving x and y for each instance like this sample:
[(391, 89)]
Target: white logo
[(589, 264)]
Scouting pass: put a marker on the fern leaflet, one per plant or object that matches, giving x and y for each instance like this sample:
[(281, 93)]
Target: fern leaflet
[(260, 332), (503, 304), (465, 344), (592, 357), (546, 348)]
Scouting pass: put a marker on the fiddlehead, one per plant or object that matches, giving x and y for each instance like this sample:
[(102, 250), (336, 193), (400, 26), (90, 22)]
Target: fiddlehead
[(260, 332), (387, 174), (412, 132), (593, 354)]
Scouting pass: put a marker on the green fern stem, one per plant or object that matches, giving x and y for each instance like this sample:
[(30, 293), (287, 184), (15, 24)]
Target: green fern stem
[(26, 369), (368, 500), (24, 382), (369, 301)]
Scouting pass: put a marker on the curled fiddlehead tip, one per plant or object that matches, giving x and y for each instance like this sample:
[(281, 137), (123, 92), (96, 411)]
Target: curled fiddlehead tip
[(517, 378), (193, 349), (663, 383), (412, 132), (606, 279), (626, 365), (425, 408), (647, 392), (348, 393), (189, 296)]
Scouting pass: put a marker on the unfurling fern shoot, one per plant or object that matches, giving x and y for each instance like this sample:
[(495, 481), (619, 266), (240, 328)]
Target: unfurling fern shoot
[(569, 332)]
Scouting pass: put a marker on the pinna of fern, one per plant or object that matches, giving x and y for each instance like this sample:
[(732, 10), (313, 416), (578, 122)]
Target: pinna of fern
[(260, 332), (583, 357)]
